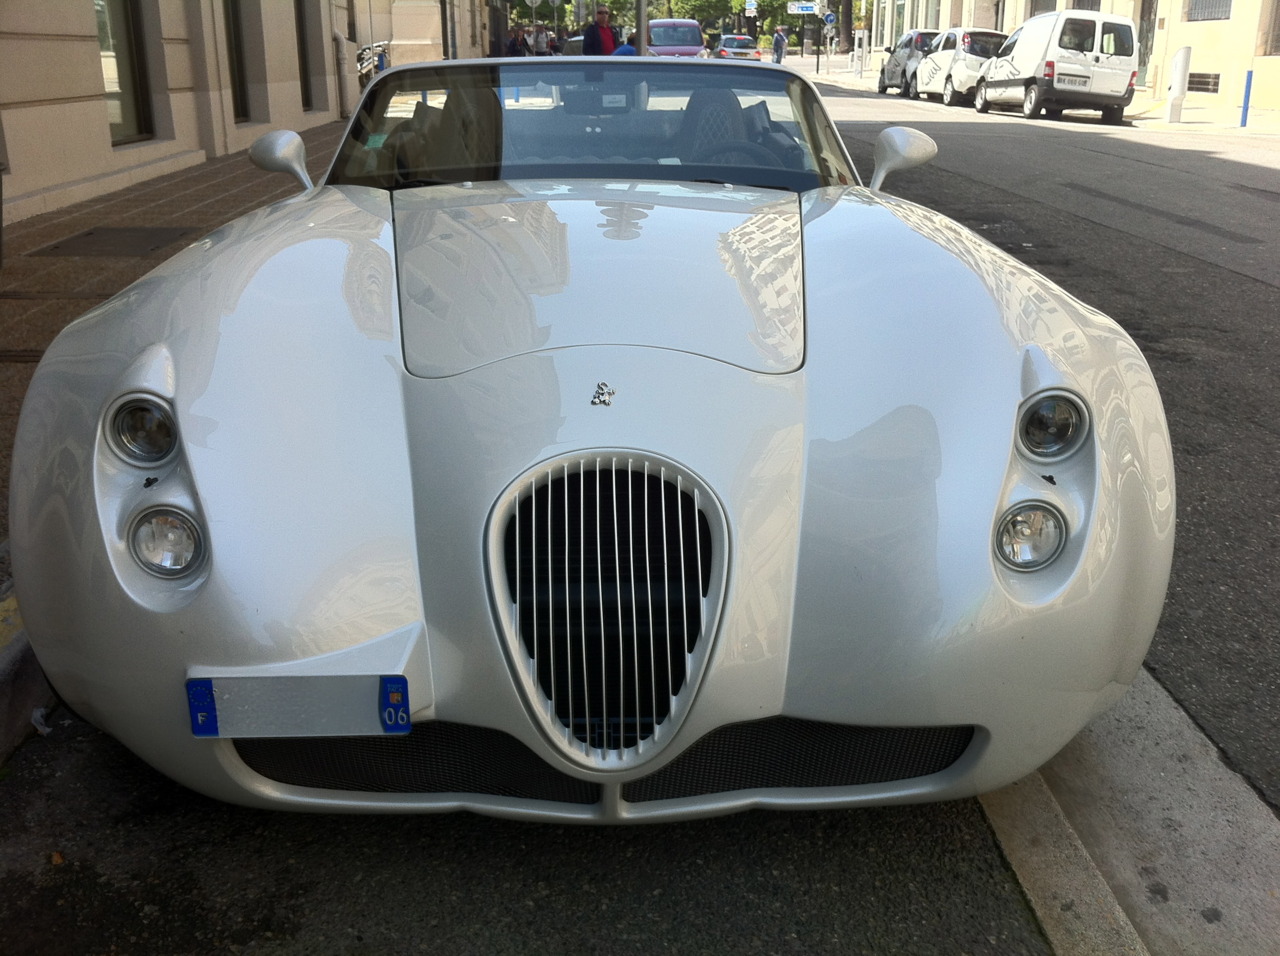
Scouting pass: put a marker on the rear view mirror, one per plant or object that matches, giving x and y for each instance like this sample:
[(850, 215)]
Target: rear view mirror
[(281, 151), (900, 148)]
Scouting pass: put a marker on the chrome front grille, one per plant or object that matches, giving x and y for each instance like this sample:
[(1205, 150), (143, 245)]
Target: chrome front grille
[(608, 562)]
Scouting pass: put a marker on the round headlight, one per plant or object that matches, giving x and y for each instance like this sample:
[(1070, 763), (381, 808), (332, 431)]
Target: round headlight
[(1052, 426), (143, 431), (1030, 535), (166, 542)]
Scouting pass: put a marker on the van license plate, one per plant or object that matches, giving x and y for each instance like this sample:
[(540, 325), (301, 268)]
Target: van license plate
[(1077, 81)]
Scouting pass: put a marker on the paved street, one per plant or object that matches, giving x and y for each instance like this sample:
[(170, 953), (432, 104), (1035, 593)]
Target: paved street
[(1147, 832)]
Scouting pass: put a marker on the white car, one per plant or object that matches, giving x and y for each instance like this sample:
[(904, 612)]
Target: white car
[(949, 71), (550, 459)]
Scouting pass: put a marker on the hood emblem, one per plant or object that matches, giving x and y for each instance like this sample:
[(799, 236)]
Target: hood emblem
[(604, 394)]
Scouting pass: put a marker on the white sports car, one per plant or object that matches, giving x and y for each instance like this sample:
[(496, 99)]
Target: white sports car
[(580, 450)]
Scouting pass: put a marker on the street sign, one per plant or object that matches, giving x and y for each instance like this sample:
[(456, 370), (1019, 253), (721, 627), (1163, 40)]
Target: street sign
[(795, 7), (751, 13), (830, 18), (751, 4)]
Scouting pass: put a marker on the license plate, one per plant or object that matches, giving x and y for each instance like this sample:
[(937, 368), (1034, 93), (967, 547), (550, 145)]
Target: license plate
[(1076, 81), (299, 706)]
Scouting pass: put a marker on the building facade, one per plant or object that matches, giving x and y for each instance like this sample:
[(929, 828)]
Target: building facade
[(98, 94), (1235, 44)]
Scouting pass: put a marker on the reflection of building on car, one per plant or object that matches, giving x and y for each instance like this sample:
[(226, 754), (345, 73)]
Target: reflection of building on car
[(923, 550)]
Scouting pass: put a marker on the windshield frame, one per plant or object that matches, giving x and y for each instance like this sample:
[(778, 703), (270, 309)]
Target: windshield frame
[(810, 152)]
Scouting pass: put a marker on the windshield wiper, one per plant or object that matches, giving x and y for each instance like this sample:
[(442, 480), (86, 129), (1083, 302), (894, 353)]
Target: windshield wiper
[(415, 183)]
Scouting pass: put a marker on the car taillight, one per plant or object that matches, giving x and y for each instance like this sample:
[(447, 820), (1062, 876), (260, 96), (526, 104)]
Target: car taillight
[(1133, 78), (1048, 69)]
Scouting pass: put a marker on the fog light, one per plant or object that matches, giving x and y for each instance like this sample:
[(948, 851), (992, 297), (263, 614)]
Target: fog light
[(1052, 425), (143, 431), (1030, 535), (166, 543)]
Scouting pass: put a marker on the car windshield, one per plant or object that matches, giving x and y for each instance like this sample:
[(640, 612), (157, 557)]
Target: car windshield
[(599, 119), (738, 43), (678, 35), (984, 45)]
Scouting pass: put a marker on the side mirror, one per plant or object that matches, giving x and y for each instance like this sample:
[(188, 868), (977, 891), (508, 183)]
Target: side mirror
[(900, 148), (282, 151), (888, 49)]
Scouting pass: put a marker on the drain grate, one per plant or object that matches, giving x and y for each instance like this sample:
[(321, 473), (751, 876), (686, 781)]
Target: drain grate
[(116, 241)]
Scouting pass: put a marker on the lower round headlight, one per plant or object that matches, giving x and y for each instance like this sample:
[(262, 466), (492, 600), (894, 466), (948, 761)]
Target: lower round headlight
[(1030, 535), (166, 542)]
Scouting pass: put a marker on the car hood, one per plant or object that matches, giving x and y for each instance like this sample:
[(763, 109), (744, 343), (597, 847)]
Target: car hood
[(496, 270)]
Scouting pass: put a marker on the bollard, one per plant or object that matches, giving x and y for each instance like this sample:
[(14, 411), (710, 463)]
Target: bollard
[(1248, 88), (1179, 77)]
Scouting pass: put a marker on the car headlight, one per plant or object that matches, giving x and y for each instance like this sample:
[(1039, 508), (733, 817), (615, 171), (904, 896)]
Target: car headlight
[(1052, 425), (166, 542), (142, 430), (1030, 535)]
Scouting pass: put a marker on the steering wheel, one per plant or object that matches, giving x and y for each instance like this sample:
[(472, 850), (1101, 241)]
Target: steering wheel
[(740, 147)]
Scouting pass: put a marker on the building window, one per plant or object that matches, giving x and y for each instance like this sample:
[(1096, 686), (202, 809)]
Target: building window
[(1208, 10), (1273, 34), (124, 73), (1036, 7), (1203, 82), (1085, 5), (235, 60), (304, 62)]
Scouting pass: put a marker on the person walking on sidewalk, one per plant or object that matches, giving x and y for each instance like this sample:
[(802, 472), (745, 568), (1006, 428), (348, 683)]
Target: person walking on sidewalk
[(779, 44)]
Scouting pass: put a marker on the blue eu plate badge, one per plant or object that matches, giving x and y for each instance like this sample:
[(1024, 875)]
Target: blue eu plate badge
[(204, 709), (393, 705)]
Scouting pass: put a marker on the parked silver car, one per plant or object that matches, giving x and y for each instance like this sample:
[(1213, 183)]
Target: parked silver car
[(903, 60), (949, 71)]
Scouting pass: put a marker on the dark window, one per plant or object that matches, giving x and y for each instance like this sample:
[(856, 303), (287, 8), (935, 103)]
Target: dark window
[(235, 60), (304, 62), (1077, 35), (124, 71), (1085, 5), (1117, 39), (1273, 35), (1042, 6), (1203, 82), (1208, 10)]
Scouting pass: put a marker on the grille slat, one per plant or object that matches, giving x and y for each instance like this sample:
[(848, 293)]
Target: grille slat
[(606, 625)]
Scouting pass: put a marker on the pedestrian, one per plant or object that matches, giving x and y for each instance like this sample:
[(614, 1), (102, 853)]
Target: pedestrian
[(779, 44), (628, 48), (599, 38), (519, 44), (541, 41)]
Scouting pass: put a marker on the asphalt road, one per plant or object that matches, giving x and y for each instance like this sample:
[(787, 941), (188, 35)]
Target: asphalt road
[(1174, 235)]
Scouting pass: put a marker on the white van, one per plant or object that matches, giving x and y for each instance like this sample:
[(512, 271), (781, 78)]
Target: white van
[(1064, 60)]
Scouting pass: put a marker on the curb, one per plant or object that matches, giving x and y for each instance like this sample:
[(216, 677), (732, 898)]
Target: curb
[(23, 688), (1075, 906)]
